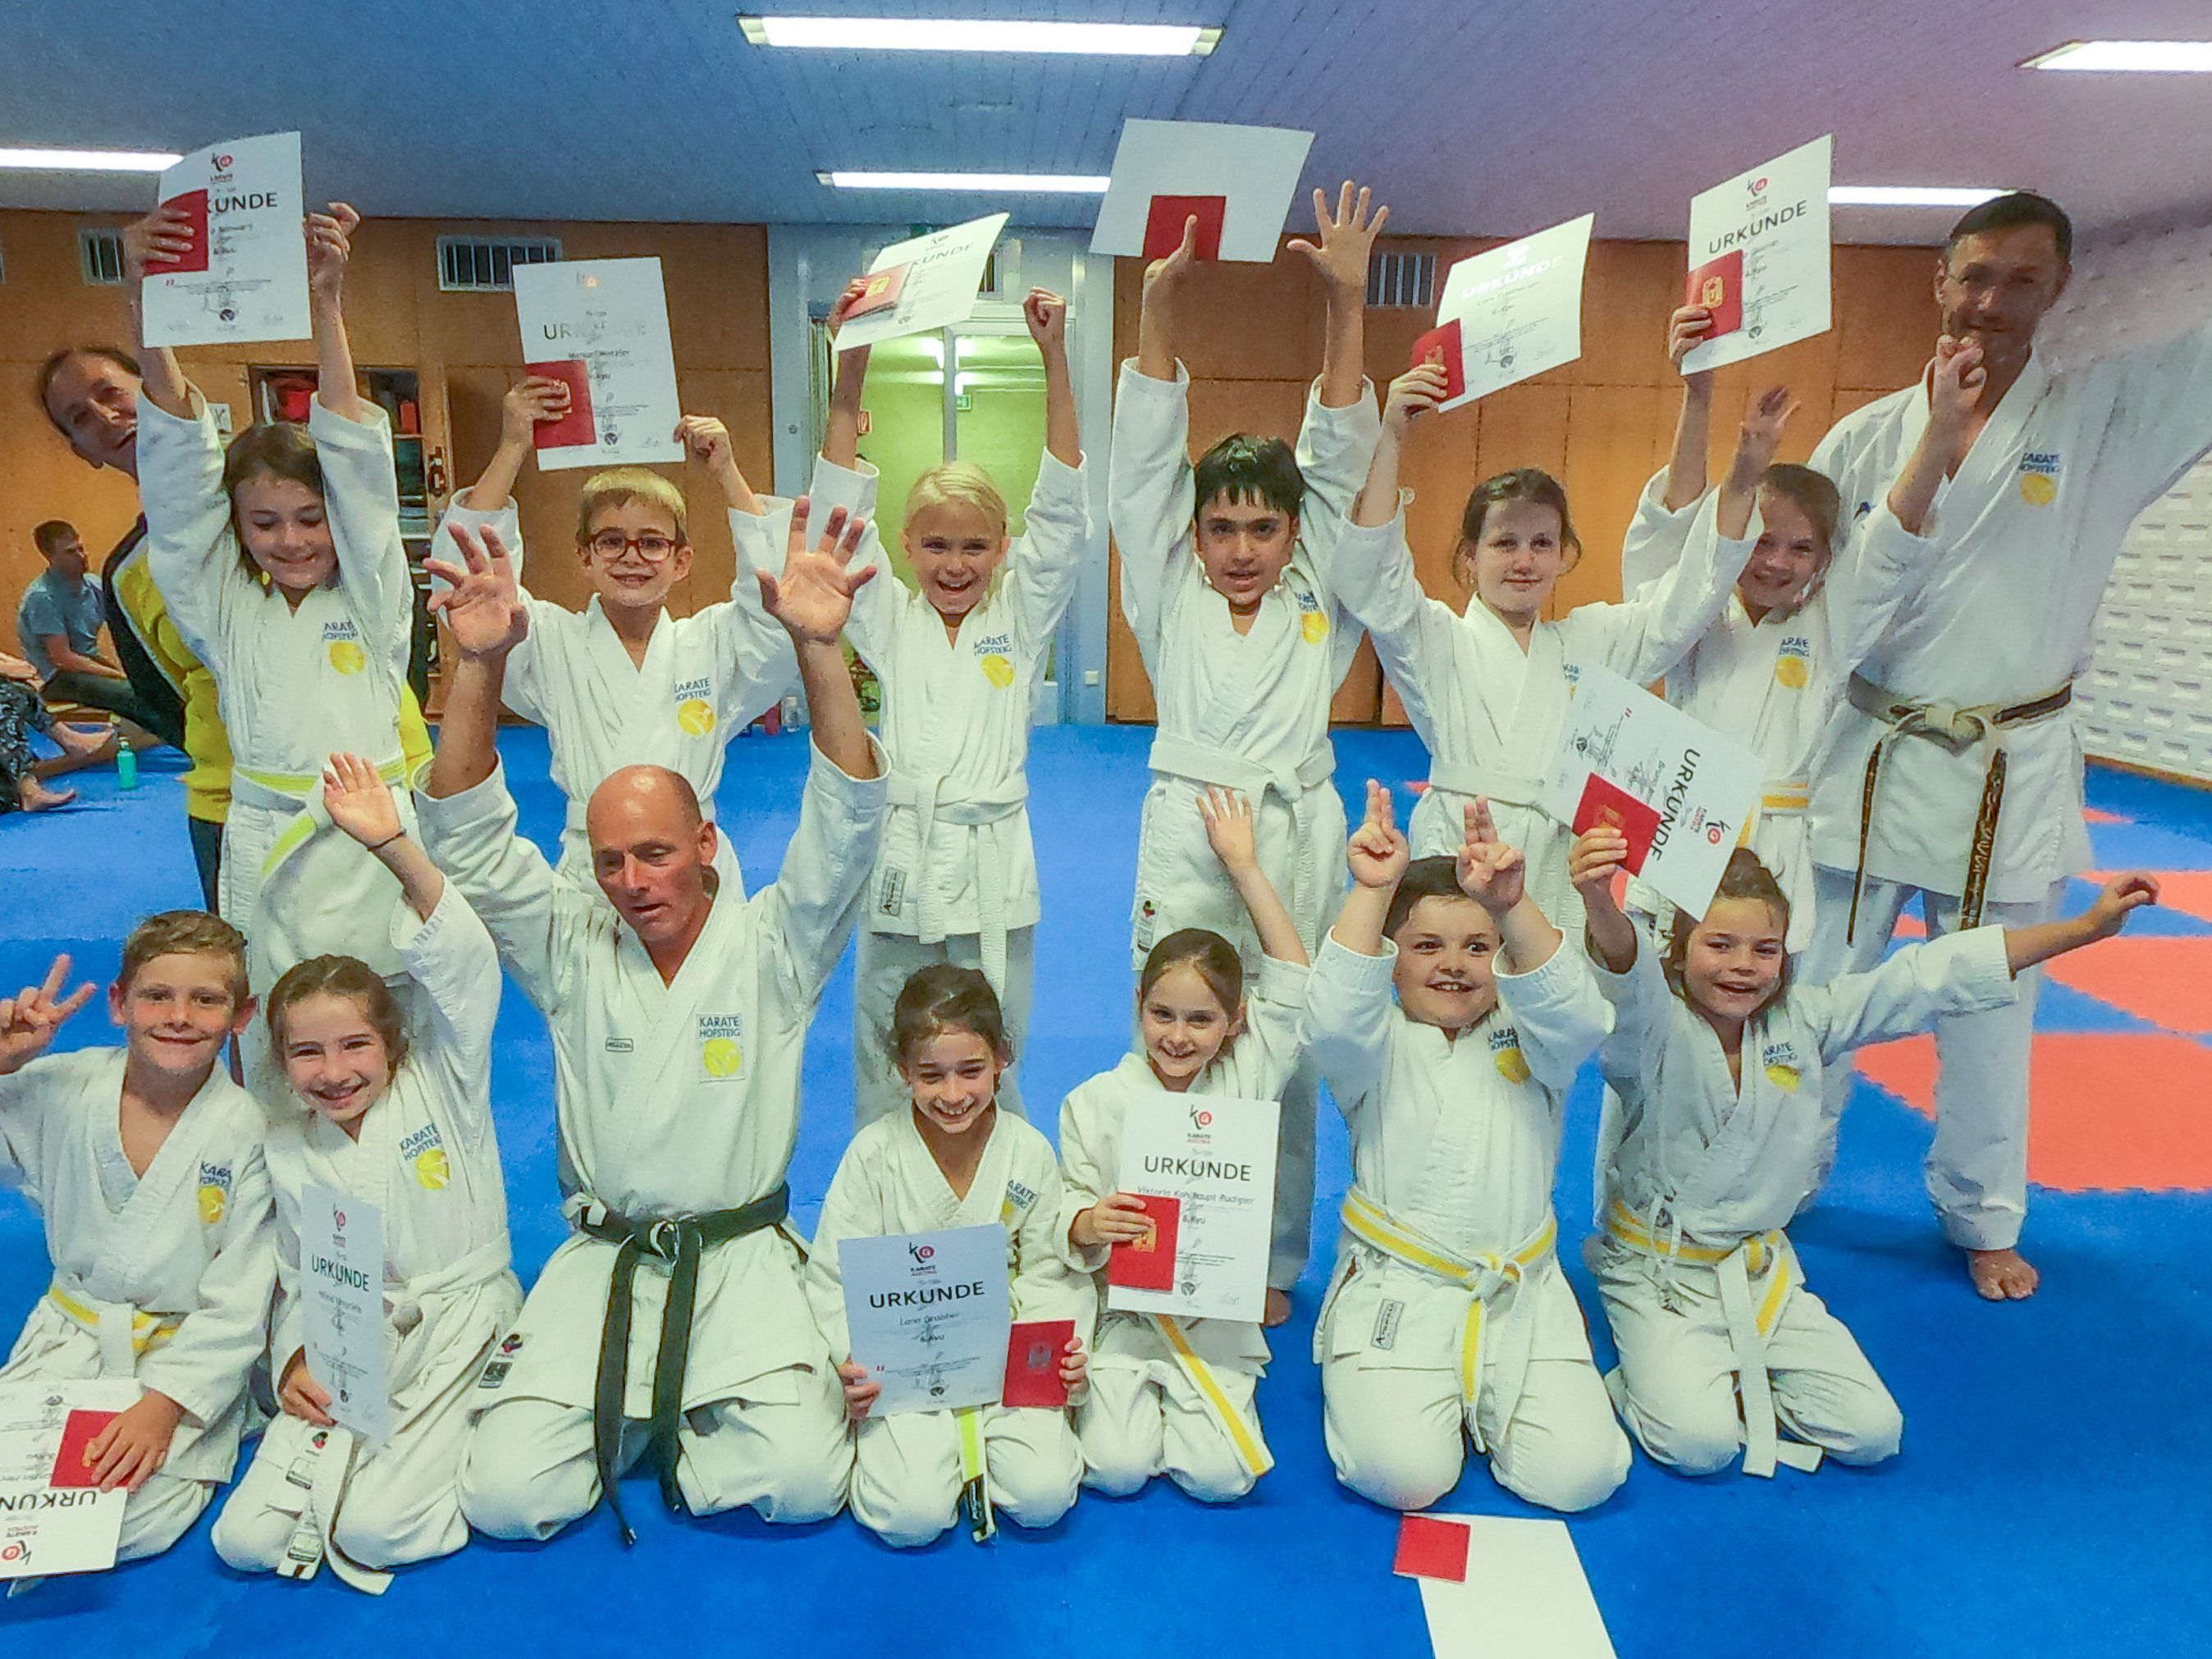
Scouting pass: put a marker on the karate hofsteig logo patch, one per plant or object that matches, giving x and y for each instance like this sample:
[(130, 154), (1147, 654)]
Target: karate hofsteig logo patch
[(342, 646), (214, 1192), (695, 711), (721, 1048), (424, 1154), (1505, 1054), (994, 656), (2039, 478), (1792, 668), (1313, 621), (1783, 1071)]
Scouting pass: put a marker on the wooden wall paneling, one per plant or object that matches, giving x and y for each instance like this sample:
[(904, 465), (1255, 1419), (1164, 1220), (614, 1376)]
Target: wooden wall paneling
[(1612, 432), (1128, 688)]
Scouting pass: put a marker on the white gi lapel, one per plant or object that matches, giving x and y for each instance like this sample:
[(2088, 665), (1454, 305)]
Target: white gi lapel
[(688, 1043), (1986, 477)]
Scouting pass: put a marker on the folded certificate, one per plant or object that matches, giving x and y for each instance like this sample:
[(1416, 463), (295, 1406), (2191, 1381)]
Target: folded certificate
[(1519, 309), (1149, 1263), (342, 1285), (576, 427), (246, 276), (878, 292), (1169, 215), (1717, 286), (1607, 802), (1443, 346), (931, 282), (73, 1461), (52, 1518), (1035, 1351)]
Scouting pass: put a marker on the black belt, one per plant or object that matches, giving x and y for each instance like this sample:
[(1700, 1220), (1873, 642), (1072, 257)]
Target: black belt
[(679, 1241), (1960, 730)]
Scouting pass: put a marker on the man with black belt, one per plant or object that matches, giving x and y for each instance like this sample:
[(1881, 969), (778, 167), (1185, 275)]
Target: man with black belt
[(1954, 772), (672, 1325)]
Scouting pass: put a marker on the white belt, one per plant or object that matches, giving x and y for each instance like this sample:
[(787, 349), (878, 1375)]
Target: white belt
[(481, 1266), (924, 793), (1202, 763), (1503, 787)]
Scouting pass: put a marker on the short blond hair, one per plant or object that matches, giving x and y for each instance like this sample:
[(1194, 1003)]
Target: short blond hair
[(618, 486), (186, 933), (958, 484)]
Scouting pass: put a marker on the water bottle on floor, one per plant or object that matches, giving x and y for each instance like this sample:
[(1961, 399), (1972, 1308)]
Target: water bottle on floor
[(127, 767)]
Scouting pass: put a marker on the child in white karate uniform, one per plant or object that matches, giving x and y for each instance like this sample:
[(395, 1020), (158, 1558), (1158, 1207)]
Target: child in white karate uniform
[(404, 1128), (1718, 1060), (1169, 1395), (623, 682), (959, 656), (1449, 1319), (283, 569), (146, 1163), (952, 1159), (1228, 582)]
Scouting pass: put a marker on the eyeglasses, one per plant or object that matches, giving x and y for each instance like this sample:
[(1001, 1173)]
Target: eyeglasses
[(610, 544)]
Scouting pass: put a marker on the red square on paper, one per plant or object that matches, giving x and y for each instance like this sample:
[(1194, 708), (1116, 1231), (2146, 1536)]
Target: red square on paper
[(1164, 224), (878, 292), (576, 427), (81, 1429), (1034, 1351), (1443, 346), (1608, 804), (194, 202), (1149, 1263), (1429, 1548), (1717, 285)]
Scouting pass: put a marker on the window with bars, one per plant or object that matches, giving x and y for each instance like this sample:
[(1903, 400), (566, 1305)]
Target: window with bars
[(100, 253), (1402, 279), (485, 265)]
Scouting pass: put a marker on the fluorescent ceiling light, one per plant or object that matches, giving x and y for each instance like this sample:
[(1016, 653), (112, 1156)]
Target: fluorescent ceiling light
[(1929, 196), (2128, 57), (1056, 183), (89, 160), (979, 34)]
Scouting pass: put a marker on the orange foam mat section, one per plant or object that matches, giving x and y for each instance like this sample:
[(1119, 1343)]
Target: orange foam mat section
[(2096, 815), (2107, 1113), (2189, 892), (2168, 981)]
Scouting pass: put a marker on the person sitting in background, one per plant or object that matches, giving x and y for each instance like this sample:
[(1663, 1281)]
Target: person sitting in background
[(58, 623), (22, 774)]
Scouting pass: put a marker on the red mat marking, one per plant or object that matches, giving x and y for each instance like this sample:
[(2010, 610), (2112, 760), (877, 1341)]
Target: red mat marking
[(2168, 981), (2107, 1113), (2093, 815)]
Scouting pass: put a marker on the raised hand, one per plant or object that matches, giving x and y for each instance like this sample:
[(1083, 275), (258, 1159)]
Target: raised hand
[(359, 801), (329, 248), (1597, 856), (1413, 395), (1046, 313), (1685, 330), (1348, 238), (1378, 852), (528, 404), (1492, 874), (1229, 827), (2120, 896), (705, 440), (1759, 437), (484, 605), (846, 301), (29, 1019), (1165, 274), (1954, 391), (164, 233), (813, 597)]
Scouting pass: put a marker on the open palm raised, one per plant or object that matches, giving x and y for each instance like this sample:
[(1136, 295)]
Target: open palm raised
[(484, 605), (813, 597)]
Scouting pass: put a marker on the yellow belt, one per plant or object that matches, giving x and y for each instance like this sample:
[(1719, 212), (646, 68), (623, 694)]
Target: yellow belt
[(1251, 1450), (975, 1476), (148, 1331), (1788, 799), (302, 790), (1484, 1276), (1756, 1279)]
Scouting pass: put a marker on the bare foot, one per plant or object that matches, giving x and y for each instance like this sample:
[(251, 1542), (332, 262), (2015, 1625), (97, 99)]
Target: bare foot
[(1279, 1308), (36, 797), (2002, 1275), (85, 743)]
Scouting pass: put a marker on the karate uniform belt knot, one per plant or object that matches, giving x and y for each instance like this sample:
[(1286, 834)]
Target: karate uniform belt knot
[(124, 1332), (679, 1242), (924, 793), (1755, 1279), (1486, 1278), (1959, 728), (1225, 768)]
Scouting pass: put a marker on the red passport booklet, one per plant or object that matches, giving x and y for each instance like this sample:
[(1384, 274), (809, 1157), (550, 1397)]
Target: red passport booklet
[(1717, 285), (1604, 803), (576, 427), (195, 202), (1164, 224), (1429, 1548), (79, 1431), (1149, 1263), (1442, 345), (878, 292), (1034, 1352)]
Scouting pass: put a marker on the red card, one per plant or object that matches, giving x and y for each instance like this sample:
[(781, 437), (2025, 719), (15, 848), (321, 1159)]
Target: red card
[(1149, 1263), (82, 1428), (1034, 1352), (1717, 285), (1429, 1548), (880, 293), (195, 202), (576, 427), (1604, 803), (1164, 224), (1442, 345)]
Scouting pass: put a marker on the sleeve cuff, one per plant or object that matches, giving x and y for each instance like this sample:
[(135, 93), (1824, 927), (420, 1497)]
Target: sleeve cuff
[(1348, 968), (1282, 981), (833, 486), (476, 807), (1652, 503), (859, 794), (1984, 968), (326, 426), (1361, 412), (1135, 383), (416, 937)]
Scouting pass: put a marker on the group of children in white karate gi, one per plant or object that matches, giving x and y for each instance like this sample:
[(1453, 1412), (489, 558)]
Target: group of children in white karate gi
[(1447, 999)]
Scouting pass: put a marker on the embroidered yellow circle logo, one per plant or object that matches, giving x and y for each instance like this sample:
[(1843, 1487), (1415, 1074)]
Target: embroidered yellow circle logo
[(433, 1169), (1512, 1066), (696, 715), (1313, 625), (998, 670), (347, 657), (721, 1057), (1789, 671), (213, 1202), (1783, 1077), (2038, 488)]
